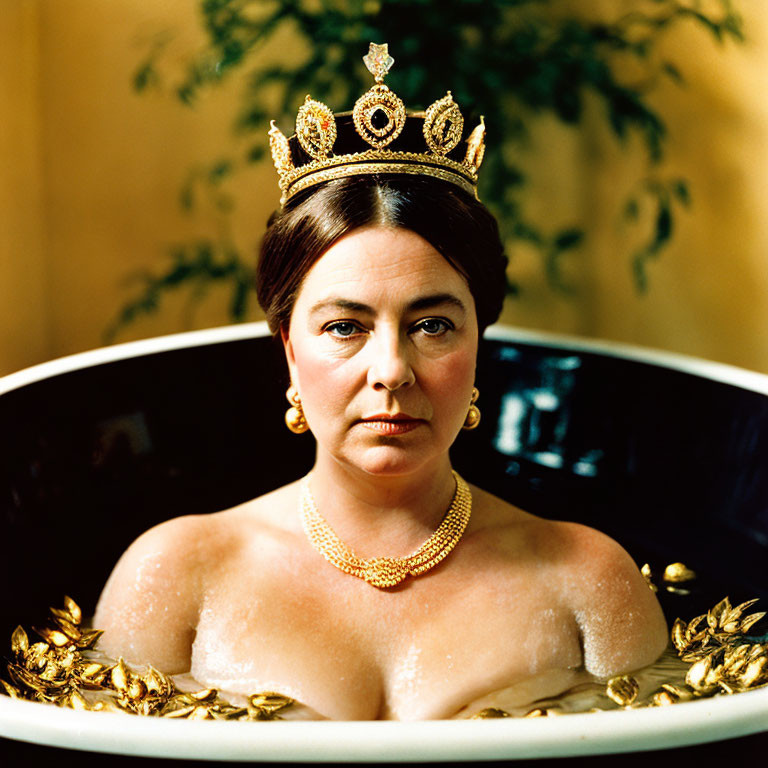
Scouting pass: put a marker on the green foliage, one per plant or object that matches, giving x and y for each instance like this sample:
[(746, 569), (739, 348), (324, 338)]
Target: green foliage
[(509, 59), (200, 264), (661, 196)]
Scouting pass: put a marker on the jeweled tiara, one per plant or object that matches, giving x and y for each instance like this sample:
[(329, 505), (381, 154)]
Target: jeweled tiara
[(378, 120)]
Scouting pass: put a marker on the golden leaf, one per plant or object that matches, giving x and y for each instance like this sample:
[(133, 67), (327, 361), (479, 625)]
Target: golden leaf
[(119, 675), (697, 674), (183, 712), (663, 699), (682, 694), (715, 615), (739, 609), (52, 671), (53, 636), (158, 683), (269, 702), (746, 623), (88, 638), (694, 624), (136, 689), (228, 713), (735, 659), (68, 628), (19, 641), (11, 690), (756, 672), (73, 609), (38, 652), (209, 694), (491, 713), (678, 572), (91, 671), (678, 635), (622, 689), (77, 701), (646, 573)]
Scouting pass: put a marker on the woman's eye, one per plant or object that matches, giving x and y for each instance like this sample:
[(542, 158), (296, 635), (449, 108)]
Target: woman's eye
[(433, 326), (343, 329)]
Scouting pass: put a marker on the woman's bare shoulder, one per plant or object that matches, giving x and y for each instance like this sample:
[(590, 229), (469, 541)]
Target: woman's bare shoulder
[(619, 618), (150, 605), (513, 530), (186, 545), (557, 543)]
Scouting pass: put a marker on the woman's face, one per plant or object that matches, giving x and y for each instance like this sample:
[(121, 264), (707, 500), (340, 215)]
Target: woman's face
[(382, 347)]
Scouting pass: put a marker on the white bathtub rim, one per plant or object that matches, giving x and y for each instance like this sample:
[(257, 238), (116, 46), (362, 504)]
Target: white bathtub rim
[(721, 372), (657, 728), (698, 366), (129, 349)]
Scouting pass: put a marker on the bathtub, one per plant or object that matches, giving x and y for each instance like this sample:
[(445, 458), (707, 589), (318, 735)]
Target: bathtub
[(667, 454)]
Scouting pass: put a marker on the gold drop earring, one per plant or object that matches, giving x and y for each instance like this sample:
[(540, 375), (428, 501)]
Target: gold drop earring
[(294, 416), (473, 414)]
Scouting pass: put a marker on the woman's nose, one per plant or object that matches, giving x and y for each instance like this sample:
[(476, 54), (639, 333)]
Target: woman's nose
[(390, 366)]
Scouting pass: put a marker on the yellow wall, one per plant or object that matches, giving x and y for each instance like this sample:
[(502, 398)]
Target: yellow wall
[(708, 291), (23, 274), (92, 171)]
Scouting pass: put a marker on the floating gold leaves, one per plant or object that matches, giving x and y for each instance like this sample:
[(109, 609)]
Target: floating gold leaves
[(59, 671), (674, 573), (722, 658)]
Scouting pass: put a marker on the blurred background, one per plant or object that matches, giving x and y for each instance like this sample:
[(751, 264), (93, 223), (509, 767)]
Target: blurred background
[(630, 175)]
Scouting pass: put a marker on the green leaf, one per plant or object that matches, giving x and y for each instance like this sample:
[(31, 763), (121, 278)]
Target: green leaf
[(663, 226), (672, 72), (568, 238), (632, 209), (146, 76), (255, 153), (219, 171), (682, 192)]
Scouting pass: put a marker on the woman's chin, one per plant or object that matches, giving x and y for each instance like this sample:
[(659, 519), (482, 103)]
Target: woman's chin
[(391, 460)]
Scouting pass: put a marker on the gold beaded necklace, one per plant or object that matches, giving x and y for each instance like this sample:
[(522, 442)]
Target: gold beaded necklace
[(385, 572)]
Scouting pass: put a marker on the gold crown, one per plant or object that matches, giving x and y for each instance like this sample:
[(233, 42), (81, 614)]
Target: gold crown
[(379, 118)]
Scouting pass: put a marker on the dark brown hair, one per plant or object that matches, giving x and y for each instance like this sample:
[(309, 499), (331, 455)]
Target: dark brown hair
[(453, 222)]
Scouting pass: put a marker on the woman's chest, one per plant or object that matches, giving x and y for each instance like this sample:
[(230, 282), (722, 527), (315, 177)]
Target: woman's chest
[(352, 654)]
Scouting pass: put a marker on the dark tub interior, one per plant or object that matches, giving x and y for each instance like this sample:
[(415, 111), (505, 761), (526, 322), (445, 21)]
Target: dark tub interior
[(672, 465)]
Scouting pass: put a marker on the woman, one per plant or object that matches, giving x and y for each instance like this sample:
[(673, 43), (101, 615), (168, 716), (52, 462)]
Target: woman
[(381, 586)]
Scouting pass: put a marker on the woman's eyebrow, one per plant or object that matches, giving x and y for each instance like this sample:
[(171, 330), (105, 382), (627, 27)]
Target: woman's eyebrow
[(339, 303), (417, 305), (435, 300)]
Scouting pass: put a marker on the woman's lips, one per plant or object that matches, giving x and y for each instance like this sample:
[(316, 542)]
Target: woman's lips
[(391, 424)]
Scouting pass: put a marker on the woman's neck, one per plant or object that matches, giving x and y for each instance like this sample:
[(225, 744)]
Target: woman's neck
[(382, 515)]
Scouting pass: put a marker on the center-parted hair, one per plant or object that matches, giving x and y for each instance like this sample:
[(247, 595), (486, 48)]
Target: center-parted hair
[(453, 222)]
